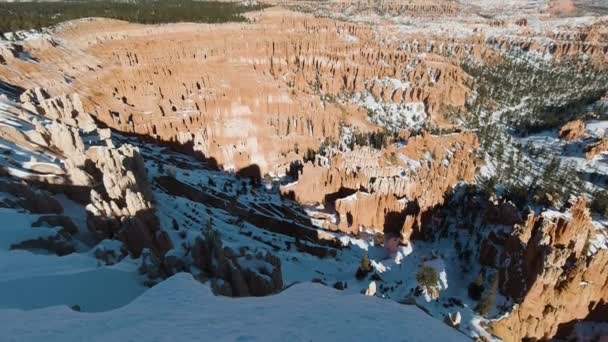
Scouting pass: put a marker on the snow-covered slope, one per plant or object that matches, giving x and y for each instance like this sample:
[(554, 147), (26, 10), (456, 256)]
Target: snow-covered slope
[(181, 309)]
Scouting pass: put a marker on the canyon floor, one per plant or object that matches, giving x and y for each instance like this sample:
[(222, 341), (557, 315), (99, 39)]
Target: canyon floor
[(353, 169)]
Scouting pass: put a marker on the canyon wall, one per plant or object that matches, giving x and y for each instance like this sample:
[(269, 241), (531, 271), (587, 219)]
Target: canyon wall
[(553, 273)]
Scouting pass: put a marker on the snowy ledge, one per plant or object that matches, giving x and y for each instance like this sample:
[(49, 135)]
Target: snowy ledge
[(181, 309)]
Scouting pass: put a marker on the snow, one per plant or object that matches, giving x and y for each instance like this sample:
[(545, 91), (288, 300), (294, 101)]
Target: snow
[(32, 280), (393, 116), (94, 290), (181, 309), (596, 128), (16, 228)]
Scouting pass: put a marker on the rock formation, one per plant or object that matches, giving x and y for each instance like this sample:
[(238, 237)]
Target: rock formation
[(281, 94), (371, 289), (387, 190), (597, 147), (123, 207), (64, 108), (249, 101), (573, 130), (237, 274), (551, 273)]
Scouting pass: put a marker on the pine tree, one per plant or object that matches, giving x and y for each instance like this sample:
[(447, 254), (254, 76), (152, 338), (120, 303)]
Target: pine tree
[(365, 266), (487, 302), (476, 288), (427, 277)]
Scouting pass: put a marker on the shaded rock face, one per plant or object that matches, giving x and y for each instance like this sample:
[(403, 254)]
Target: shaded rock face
[(573, 130), (57, 244), (109, 256), (237, 274), (122, 208), (36, 202), (66, 223), (65, 108), (543, 262), (387, 191), (111, 181), (504, 213), (597, 147), (551, 274), (8, 52)]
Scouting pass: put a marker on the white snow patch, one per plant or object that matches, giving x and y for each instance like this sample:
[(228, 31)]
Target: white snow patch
[(181, 309)]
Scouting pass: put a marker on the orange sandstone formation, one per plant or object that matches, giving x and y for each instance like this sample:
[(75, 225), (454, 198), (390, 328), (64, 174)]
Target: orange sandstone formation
[(552, 274), (387, 190), (572, 130), (242, 94), (595, 148)]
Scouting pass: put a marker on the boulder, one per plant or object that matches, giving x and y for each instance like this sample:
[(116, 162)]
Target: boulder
[(595, 148), (66, 223), (453, 319), (371, 289), (572, 130)]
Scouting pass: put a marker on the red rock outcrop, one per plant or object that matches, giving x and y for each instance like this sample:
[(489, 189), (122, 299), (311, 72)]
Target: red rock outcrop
[(387, 190), (595, 148), (65, 108), (551, 274), (572, 130), (240, 94), (124, 209)]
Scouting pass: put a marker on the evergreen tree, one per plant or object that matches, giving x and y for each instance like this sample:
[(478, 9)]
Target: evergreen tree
[(365, 266), (427, 277), (476, 288), (484, 307)]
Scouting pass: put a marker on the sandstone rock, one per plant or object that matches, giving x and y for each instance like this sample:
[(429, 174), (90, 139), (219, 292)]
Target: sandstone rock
[(57, 244), (8, 52), (394, 197), (453, 319), (68, 227), (504, 213), (109, 252), (371, 289), (596, 148), (36, 202), (65, 108), (560, 278), (237, 276), (266, 94), (572, 130), (67, 140), (124, 209)]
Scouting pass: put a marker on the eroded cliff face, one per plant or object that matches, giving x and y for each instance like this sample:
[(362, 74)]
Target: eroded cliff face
[(110, 184), (596, 147), (264, 93), (258, 97), (388, 190), (553, 273), (572, 130), (257, 94)]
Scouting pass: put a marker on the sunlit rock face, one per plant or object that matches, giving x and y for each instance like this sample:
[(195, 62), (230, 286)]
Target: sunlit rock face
[(553, 273), (387, 190), (280, 95), (242, 94)]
